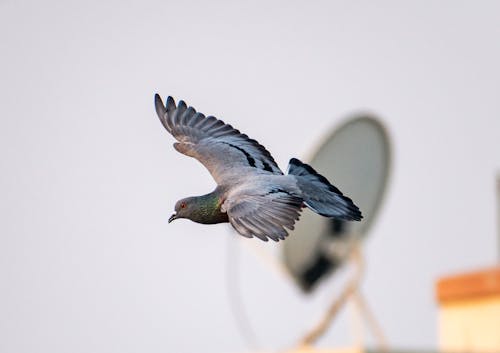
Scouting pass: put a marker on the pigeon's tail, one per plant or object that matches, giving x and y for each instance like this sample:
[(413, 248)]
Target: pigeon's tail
[(321, 196)]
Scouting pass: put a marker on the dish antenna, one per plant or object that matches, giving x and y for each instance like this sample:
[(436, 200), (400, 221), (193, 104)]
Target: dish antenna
[(355, 157)]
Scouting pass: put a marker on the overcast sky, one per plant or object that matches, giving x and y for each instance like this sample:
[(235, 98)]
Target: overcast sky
[(88, 262)]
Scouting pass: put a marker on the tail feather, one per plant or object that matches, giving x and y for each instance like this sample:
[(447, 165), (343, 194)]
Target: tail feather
[(321, 196)]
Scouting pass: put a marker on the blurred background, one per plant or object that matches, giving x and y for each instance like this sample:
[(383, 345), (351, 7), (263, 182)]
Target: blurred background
[(88, 262)]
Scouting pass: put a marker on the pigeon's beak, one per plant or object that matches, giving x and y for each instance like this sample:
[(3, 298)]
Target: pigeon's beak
[(172, 217)]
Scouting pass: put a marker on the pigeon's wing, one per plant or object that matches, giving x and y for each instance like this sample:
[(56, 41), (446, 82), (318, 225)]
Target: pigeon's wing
[(223, 150), (264, 215)]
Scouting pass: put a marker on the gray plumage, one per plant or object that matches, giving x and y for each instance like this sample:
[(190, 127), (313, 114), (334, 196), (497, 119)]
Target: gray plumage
[(252, 194)]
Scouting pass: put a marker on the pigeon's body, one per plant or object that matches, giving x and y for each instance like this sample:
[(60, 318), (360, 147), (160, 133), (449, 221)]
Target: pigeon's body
[(252, 194)]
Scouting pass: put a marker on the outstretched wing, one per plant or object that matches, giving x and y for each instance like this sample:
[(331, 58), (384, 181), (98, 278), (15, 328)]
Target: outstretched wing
[(264, 215), (223, 150)]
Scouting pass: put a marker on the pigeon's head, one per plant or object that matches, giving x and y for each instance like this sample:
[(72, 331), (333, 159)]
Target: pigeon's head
[(183, 209)]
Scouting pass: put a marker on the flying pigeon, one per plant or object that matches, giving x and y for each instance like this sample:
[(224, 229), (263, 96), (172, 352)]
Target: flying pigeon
[(252, 192)]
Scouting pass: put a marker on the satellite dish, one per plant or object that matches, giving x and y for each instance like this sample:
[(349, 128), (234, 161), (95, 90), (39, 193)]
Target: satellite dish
[(355, 157)]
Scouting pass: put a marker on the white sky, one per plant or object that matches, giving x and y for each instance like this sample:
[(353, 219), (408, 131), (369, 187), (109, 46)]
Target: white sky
[(88, 262)]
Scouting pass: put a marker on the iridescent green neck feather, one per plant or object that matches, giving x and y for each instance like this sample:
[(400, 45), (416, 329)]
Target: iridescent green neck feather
[(206, 209)]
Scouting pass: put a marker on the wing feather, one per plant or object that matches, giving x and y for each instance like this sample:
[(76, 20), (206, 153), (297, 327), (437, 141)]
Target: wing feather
[(222, 149), (264, 215)]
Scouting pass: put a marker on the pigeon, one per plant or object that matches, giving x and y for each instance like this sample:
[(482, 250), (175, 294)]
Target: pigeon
[(252, 193)]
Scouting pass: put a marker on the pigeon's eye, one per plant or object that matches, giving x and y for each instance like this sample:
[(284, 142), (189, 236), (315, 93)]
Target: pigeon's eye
[(183, 205)]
